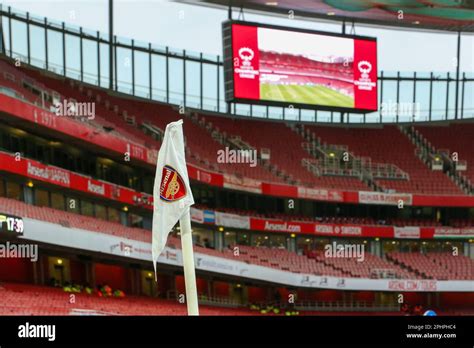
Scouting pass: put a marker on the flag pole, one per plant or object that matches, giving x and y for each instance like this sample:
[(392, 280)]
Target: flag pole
[(188, 264)]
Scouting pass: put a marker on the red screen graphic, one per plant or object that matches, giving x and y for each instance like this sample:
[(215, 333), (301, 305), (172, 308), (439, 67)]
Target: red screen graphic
[(293, 67)]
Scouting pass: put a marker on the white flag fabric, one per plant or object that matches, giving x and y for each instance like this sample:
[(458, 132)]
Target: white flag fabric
[(172, 196)]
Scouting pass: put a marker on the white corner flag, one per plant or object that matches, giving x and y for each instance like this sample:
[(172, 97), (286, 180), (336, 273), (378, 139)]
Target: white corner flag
[(172, 198)]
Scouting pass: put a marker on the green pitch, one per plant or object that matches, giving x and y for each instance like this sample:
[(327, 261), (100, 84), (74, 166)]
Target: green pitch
[(320, 95)]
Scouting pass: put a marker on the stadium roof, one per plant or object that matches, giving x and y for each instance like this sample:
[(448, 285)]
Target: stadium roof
[(444, 15)]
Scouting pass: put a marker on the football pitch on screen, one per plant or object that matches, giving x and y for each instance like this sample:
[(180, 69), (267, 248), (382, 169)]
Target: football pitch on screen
[(319, 95)]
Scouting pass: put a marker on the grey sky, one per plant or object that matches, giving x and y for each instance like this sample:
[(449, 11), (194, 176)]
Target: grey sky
[(198, 29)]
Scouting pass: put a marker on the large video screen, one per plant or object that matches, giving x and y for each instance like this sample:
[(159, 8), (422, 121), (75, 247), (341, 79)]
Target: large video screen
[(284, 66)]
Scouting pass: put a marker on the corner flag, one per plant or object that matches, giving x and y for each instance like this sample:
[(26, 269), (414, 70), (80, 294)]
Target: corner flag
[(172, 198)]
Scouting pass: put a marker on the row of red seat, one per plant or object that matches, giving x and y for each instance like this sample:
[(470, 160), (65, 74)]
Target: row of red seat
[(387, 144), (370, 266), (436, 265), (23, 299), (456, 138), (382, 144), (274, 258)]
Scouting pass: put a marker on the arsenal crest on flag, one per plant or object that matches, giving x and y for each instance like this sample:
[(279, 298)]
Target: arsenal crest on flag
[(172, 193), (172, 185)]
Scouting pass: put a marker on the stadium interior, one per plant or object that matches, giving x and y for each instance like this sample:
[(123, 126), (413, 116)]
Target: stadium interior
[(370, 183)]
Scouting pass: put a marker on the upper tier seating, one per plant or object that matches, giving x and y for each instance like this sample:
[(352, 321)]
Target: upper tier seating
[(388, 145), (112, 112), (286, 150), (125, 117), (456, 138)]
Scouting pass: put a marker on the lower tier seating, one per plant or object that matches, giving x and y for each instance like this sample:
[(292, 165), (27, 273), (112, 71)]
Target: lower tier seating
[(22, 299), (403, 265)]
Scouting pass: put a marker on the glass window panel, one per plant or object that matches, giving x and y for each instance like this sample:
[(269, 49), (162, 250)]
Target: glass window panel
[(90, 61), (355, 118), (113, 214), (73, 57), (19, 40), (100, 212), (87, 208), (323, 116), (193, 84), (291, 114), (439, 100), (451, 99), (6, 34), (405, 111), (229, 239), (243, 239), (158, 64), (307, 115), (222, 103), (13, 190), (37, 52), (209, 73), (387, 109), (275, 112), (468, 107), (135, 220), (142, 83), (422, 103), (104, 65), (242, 109), (176, 81), (41, 198), (57, 201), (124, 70), (259, 111), (55, 51)]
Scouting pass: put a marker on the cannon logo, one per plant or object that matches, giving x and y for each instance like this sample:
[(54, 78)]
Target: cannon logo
[(172, 186), (364, 82), (246, 54), (365, 68)]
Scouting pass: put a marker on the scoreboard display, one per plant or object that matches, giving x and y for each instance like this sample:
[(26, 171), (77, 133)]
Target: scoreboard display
[(283, 66), (11, 224)]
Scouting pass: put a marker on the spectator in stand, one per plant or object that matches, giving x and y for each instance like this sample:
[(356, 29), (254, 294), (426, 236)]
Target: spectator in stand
[(88, 289), (405, 309), (418, 310), (119, 293)]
